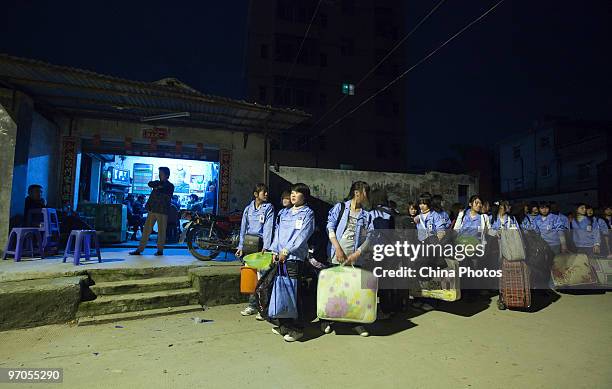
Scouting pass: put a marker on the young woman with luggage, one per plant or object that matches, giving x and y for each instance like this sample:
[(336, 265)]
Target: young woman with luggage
[(436, 205), (348, 225), (603, 230), (256, 233), (428, 221), (290, 247), (471, 222), (532, 211), (471, 228), (514, 284), (393, 296), (585, 232), (285, 200), (607, 219), (550, 227)]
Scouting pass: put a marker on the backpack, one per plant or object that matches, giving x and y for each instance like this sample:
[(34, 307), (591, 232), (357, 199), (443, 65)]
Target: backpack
[(539, 258), (317, 243)]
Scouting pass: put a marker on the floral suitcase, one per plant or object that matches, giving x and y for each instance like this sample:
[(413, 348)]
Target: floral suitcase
[(347, 294), (603, 270), (572, 270), (441, 288)]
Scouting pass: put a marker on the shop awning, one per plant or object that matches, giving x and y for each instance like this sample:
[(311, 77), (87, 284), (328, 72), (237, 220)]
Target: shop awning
[(82, 93)]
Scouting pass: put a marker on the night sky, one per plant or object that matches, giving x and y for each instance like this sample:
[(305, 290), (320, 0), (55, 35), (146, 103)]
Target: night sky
[(523, 61)]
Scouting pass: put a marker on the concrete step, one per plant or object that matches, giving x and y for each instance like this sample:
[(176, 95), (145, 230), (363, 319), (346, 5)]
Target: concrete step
[(138, 273), (124, 316), (132, 302), (140, 286)]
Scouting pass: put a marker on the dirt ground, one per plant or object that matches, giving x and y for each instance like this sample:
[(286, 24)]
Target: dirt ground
[(565, 345)]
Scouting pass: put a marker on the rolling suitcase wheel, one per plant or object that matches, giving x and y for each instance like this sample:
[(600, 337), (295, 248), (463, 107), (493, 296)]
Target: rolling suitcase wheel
[(500, 305)]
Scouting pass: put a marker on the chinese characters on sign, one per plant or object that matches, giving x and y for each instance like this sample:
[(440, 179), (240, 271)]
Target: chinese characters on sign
[(155, 133), (69, 147), (225, 163)]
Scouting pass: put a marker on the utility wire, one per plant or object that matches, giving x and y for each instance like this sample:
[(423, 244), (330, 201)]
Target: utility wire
[(407, 71), (314, 15), (399, 43)]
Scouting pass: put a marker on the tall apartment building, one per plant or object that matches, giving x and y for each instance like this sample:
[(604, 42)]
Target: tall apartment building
[(347, 38)]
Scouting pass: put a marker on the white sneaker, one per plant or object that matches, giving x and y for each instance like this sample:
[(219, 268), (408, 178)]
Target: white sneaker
[(292, 336), (259, 317), (282, 331), (326, 328), (248, 311), (361, 331)]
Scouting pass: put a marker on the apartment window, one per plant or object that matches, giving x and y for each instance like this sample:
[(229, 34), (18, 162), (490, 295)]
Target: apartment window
[(299, 98), (516, 152), (584, 171), (395, 108), (284, 10), (323, 19), (396, 149), (348, 7), (262, 94), (323, 100), (322, 143), (545, 171), (263, 51), (544, 142), (380, 149), (282, 97), (347, 46), (518, 183), (323, 59)]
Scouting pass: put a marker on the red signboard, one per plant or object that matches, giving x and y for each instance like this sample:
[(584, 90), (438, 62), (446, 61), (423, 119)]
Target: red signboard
[(155, 133)]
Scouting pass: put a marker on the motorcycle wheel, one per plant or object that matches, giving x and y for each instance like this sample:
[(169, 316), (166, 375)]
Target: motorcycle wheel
[(196, 250)]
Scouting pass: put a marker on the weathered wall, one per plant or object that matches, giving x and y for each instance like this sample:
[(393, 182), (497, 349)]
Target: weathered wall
[(44, 157), (247, 163), (331, 185), (8, 134), (23, 112)]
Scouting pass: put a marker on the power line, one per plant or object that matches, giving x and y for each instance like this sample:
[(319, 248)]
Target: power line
[(399, 43), (282, 91), (407, 71), (314, 14)]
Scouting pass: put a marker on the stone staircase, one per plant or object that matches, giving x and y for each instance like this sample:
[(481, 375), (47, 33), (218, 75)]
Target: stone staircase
[(124, 294)]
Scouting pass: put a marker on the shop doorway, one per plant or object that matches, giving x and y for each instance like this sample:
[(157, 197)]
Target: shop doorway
[(113, 191)]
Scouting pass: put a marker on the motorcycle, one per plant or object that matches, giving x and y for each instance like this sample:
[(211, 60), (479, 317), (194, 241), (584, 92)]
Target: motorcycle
[(207, 234)]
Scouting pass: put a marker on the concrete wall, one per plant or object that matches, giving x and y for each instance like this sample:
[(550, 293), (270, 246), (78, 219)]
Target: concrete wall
[(44, 157), (8, 134), (23, 111), (247, 163), (331, 185)]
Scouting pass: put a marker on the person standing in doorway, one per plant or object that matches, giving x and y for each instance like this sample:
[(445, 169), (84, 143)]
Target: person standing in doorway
[(158, 207)]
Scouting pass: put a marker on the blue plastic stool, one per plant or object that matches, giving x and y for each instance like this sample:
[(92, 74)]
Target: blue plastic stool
[(17, 240), (50, 229), (80, 242)]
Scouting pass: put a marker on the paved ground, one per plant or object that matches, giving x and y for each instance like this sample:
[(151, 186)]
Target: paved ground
[(112, 258), (566, 345)]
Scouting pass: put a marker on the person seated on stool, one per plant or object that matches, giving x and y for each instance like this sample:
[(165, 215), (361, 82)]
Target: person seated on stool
[(33, 201), (158, 206)]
